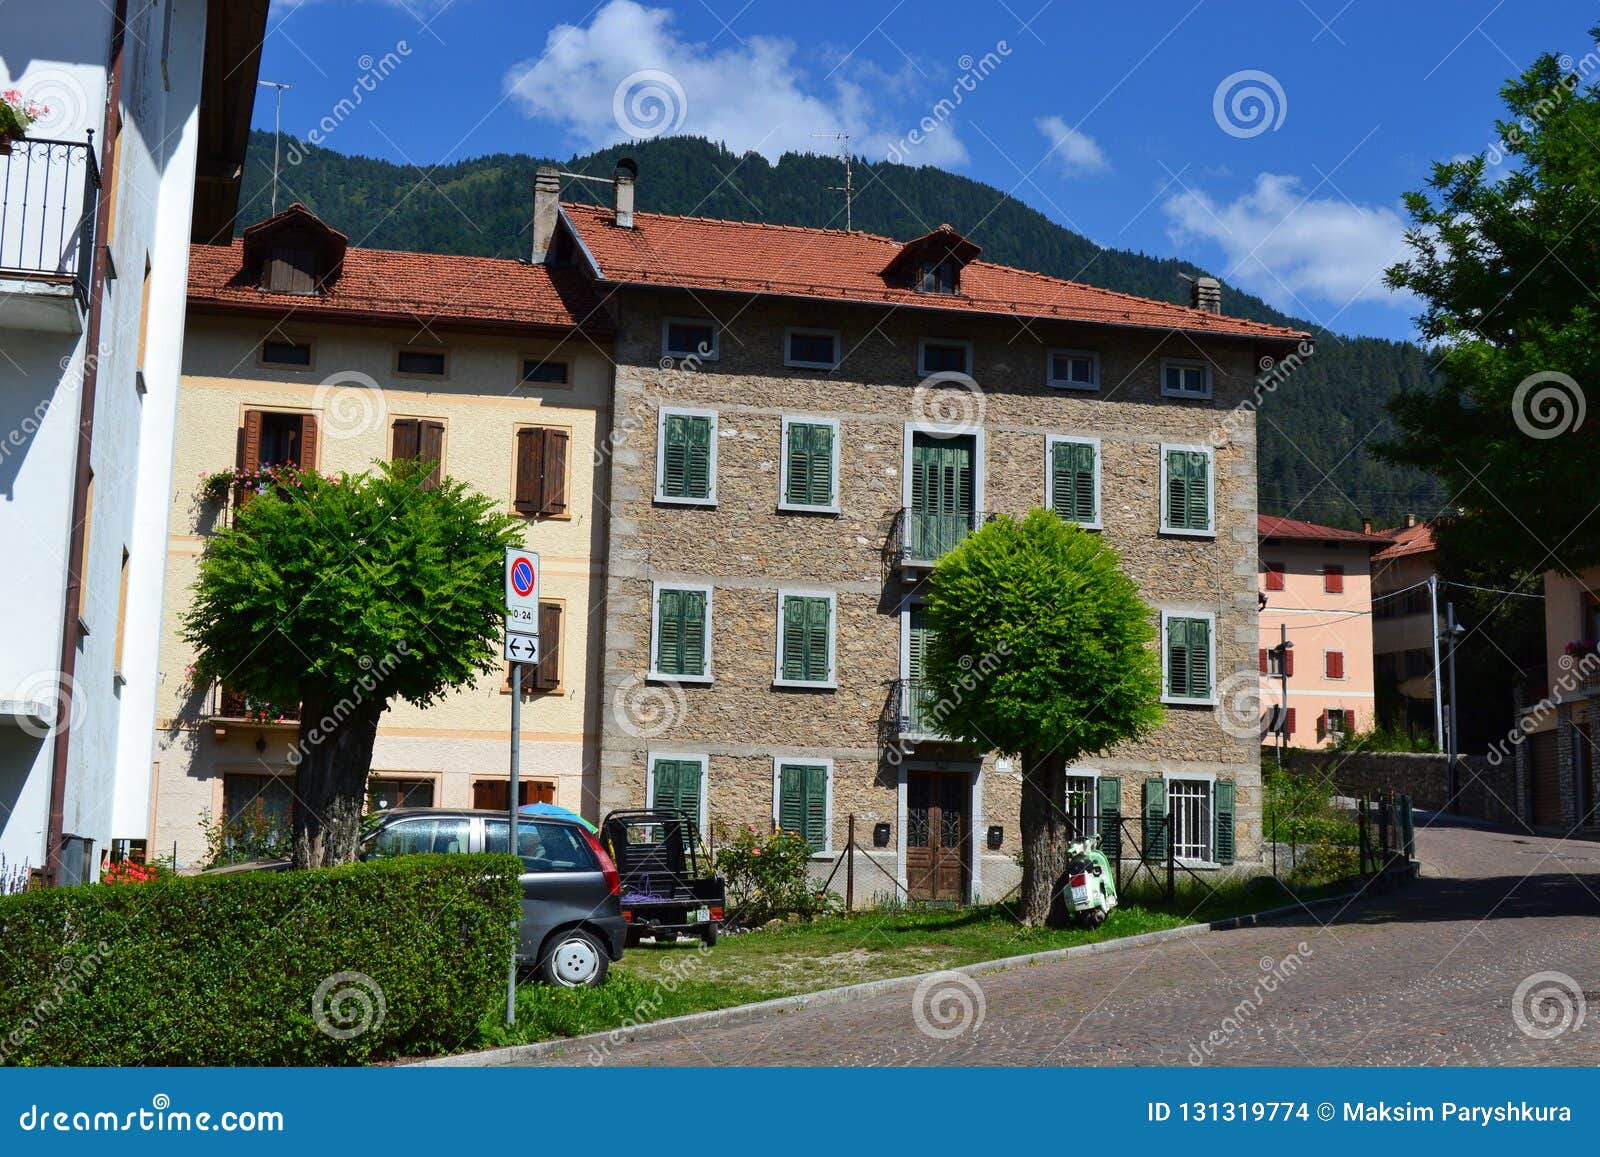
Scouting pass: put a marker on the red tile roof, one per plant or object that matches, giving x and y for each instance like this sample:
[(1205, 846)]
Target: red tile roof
[(739, 256), (1404, 541), (1271, 526), (384, 284)]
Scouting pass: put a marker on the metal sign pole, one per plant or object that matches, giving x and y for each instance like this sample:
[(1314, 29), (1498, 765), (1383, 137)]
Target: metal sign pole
[(513, 844)]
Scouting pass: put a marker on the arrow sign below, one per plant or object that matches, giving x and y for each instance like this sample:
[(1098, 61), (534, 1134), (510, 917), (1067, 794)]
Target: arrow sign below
[(522, 648)]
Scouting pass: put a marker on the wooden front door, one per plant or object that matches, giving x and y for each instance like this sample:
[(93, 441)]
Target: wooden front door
[(938, 825), (1544, 760)]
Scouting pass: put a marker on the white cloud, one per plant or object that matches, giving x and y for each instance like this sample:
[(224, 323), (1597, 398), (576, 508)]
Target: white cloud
[(1282, 243), (753, 95), (1077, 152)]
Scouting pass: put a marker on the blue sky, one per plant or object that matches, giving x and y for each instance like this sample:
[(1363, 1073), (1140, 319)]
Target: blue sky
[(1269, 140)]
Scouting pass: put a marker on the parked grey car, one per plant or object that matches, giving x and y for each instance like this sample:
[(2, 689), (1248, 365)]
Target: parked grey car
[(572, 925)]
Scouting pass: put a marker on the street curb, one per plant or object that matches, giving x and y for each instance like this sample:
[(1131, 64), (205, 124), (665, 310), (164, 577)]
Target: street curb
[(600, 1044)]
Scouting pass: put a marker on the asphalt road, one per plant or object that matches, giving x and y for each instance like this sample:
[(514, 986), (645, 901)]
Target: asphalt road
[(1427, 975)]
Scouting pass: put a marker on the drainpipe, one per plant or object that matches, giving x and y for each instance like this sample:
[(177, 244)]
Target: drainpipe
[(62, 737)]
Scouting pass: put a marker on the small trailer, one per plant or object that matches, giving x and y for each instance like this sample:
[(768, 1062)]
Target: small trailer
[(668, 888)]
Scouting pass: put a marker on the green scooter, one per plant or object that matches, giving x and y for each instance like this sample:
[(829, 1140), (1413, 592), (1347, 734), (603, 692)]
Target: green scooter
[(1091, 889)]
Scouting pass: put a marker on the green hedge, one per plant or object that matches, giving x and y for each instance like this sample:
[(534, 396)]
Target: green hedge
[(226, 970)]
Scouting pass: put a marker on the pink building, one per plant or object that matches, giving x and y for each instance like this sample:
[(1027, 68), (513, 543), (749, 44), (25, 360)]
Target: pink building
[(1316, 587)]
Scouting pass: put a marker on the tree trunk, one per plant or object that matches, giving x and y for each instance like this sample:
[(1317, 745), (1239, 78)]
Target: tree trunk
[(330, 781), (1046, 831)]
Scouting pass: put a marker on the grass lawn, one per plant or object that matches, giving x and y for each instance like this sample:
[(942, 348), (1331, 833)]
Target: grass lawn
[(653, 982)]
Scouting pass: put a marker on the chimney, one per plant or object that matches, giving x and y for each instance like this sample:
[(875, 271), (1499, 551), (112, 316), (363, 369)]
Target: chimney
[(623, 181), (1411, 520), (1366, 526), (546, 210), (1206, 293)]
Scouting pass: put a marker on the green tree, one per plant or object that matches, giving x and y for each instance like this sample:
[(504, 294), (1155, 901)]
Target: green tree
[(340, 593), (1041, 649), (1505, 262)]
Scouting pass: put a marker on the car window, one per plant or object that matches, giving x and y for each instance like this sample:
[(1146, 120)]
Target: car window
[(543, 847), (423, 834)]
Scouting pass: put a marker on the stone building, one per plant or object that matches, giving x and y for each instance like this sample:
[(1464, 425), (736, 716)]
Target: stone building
[(804, 420), (302, 350)]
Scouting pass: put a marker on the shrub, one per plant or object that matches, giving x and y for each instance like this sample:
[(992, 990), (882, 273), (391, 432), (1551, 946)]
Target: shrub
[(768, 878), (396, 958)]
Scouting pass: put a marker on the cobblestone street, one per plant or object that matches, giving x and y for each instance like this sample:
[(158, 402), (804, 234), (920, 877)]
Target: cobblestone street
[(1423, 976)]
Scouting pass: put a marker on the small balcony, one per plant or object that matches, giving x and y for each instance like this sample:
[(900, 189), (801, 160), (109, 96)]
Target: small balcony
[(230, 708), (48, 193), (914, 713), (918, 539)]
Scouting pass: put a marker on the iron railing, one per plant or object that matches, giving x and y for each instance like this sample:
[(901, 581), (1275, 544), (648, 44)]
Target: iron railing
[(226, 703), (48, 193), (923, 537)]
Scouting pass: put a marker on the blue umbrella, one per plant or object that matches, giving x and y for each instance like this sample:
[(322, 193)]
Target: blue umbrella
[(550, 809)]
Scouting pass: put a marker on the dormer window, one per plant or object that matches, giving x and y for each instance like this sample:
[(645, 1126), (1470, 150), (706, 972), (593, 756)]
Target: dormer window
[(293, 252), (290, 269), (941, 277)]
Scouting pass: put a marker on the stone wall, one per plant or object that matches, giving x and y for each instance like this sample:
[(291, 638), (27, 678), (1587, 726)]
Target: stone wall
[(1488, 791), (747, 550)]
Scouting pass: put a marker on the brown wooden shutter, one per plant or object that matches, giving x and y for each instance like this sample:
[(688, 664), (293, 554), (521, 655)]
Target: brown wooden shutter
[(430, 448), (555, 473), (530, 470), (1349, 721), (1263, 660), (407, 441), (308, 442), (547, 676), (250, 441)]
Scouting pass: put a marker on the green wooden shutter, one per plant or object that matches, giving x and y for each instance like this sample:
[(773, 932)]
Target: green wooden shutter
[(1072, 480), (794, 638), (805, 638), (1155, 819), (699, 466), (693, 630), (1223, 843), (791, 797), (816, 641), (1178, 658), (1199, 658), (1177, 489), (803, 802), (669, 632), (1110, 806), (1188, 490), (677, 785), (1199, 489), (810, 465), (686, 457)]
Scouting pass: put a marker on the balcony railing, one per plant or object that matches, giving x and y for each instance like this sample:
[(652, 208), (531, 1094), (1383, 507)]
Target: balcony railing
[(920, 538), (915, 713), (48, 193), (228, 705)]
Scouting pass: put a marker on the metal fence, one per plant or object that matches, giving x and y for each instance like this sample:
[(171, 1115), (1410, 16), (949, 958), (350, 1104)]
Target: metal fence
[(48, 193)]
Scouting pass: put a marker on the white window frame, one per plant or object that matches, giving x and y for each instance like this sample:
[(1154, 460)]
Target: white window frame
[(716, 338), (1056, 383), (1093, 776), (656, 676), (783, 465), (1209, 778), (830, 683), (1187, 363), (1211, 640), (924, 342), (1340, 731), (812, 331), (662, 415), (699, 757), (1050, 443), (1211, 492), (827, 795)]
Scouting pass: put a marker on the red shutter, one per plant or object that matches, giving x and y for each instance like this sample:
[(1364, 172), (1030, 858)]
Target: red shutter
[(1263, 660), (1333, 580), (1274, 576), (547, 675), (555, 472), (1288, 723), (430, 448), (1335, 666), (308, 442), (1322, 725), (1288, 662), (1349, 721), (530, 470)]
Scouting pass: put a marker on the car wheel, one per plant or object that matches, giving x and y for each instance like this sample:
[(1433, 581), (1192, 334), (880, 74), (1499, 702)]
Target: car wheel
[(709, 936), (633, 939), (574, 959)]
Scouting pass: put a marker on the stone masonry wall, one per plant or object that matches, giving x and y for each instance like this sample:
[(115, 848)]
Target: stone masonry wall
[(747, 550)]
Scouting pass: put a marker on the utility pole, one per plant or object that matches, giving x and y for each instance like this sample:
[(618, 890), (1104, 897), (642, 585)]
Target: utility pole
[(1451, 779), (1438, 690), (277, 133), (848, 188)]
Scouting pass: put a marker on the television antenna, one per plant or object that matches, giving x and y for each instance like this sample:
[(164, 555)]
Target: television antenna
[(848, 188), (277, 133)]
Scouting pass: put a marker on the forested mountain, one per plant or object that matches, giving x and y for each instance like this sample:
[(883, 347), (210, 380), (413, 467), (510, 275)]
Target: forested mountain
[(1316, 431)]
